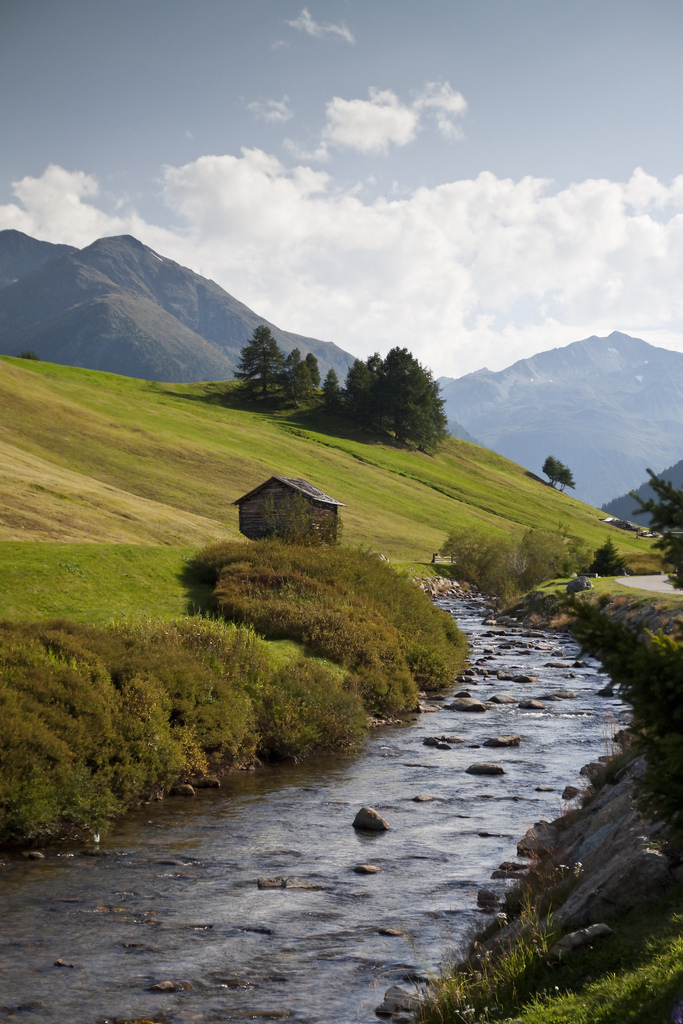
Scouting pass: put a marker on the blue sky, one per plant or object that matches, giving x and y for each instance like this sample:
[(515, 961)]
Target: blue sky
[(476, 181)]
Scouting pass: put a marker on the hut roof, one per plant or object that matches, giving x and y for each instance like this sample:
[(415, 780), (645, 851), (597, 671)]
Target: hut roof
[(296, 484)]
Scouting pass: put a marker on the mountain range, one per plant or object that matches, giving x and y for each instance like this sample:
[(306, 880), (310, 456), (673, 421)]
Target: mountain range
[(609, 408), (119, 306)]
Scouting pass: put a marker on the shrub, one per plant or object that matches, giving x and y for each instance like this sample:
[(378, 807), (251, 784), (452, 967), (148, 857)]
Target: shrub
[(506, 567), (93, 718), (344, 605)]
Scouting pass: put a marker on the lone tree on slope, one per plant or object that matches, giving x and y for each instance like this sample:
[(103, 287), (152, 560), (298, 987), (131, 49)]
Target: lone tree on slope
[(558, 473)]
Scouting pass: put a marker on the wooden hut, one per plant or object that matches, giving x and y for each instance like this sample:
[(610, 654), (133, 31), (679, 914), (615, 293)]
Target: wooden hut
[(282, 504)]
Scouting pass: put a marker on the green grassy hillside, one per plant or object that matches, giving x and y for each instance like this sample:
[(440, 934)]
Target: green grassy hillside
[(94, 457)]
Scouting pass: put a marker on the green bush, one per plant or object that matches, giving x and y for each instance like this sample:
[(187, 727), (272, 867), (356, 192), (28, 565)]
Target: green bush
[(344, 605), (506, 567), (93, 718)]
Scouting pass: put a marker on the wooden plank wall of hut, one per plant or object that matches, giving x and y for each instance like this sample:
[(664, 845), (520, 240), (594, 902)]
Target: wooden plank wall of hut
[(252, 522)]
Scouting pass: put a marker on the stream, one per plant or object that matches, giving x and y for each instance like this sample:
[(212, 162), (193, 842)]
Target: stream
[(173, 896)]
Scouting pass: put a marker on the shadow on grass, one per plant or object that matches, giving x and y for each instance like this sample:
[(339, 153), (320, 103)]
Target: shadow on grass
[(197, 591), (228, 395)]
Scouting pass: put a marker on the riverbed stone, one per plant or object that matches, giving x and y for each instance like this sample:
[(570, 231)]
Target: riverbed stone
[(443, 746), (510, 740), (33, 855), (485, 768), (423, 798), (462, 693), (525, 679), (502, 698), (284, 882), (570, 792), (208, 782), (509, 869), (466, 704), (367, 869), (170, 986), (395, 1000), (393, 933), (368, 819), (487, 899), (182, 789), (532, 705), (430, 741)]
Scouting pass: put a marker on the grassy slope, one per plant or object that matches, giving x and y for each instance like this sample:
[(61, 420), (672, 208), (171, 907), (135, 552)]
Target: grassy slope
[(94, 582), (94, 457)]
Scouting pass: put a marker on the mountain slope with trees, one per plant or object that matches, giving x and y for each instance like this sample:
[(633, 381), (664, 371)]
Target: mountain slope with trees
[(121, 307), (90, 456)]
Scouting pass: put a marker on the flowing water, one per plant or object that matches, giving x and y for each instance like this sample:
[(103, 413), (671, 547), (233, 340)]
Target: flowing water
[(173, 894)]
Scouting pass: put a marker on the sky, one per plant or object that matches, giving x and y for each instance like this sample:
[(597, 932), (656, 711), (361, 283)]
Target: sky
[(474, 180)]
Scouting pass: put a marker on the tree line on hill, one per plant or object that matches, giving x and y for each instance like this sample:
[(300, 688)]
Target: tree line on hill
[(396, 393)]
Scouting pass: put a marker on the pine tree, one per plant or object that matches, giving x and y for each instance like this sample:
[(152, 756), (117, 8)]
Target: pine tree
[(313, 369), (607, 561), (410, 400), (302, 387), (358, 390), (261, 364), (331, 392)]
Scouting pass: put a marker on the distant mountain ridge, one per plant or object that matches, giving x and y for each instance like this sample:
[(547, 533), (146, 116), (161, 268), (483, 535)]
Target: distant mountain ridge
[(20, 254), (609, 408), (625, 506), (118, 305)]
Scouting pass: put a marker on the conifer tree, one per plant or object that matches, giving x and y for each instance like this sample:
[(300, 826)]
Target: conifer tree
[(331, 391), (313, 369), (261, 364)]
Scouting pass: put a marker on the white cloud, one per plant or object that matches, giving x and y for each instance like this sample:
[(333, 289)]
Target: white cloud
[(370, 125), (305, 23), (439, 99), (318, 153), (469, 273), (273, 111)]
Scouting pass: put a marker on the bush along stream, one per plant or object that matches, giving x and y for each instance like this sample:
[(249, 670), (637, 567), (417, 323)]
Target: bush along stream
[(94, 719), (261, 900)]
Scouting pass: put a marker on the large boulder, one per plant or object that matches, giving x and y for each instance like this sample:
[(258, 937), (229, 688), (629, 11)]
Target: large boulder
[(466, 704), (370, 820), (502, 741), (579, 584), (485, 768)]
